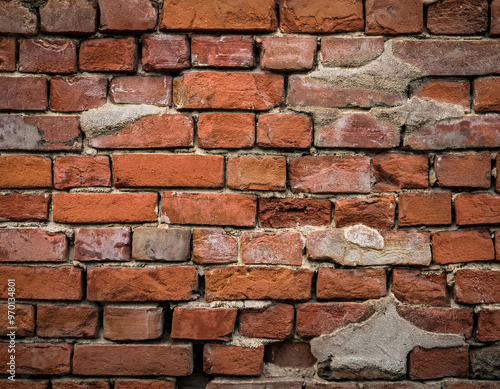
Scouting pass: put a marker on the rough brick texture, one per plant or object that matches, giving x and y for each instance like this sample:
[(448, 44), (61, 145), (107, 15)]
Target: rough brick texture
[(253, 194)]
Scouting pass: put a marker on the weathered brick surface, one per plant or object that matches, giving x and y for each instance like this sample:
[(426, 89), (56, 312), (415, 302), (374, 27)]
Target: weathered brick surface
[(165, 53), (226, 51), (275, 322), (253, 194), (24, 207), (127, 359), (75, 17), (203, 324), (47, 56), (226, 130), (108, 55), (77, 93), (284, 131), (141, 90), (141, 323), (233, 360), (247, 91), (325, 16), (102, 244), (77, 321), (168, 283), (31, 245)]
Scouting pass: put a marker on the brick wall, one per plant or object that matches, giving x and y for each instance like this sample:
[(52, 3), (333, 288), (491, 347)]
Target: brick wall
[(250, 193)]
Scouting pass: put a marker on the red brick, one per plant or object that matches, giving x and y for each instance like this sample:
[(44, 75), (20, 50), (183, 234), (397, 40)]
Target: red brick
[(307, 91), (134, 323), (350, 52), (225, 51), (23, 93), (458, 17), (495, 18), (219, 15), (162, 170), (226, 130), (22, 384), (427, 208), (275, 322), (141, 90), (17, 18), (400, 171), (211, 246), (488, 325), (287, 53), (104, 207), (102, 244), (216, 209), (323, 16), (314, 319), (353, 385), (350, 284), (277, 383), (80, 384), (330, 174), (24, 207), (70, 94), (413, 287), (40, 133), (40, 358), (148, 132), (233, 360), (463, 171), (445, 57), (144, 384), (23, 171), (257, 283), (32, 245), (172, 283), (284, 213), (124, 16), (471, 384), (477, 286), (471, 132), (80, 171), (474, 209), (25, 320), (445, 91), (132, 360), (462, 246), (290, 354), (441, 320), (47, 56), (436, 363), (284, 131), (68, 321), (74, 17), (393, 17), (358, 130), (43, 283), (203, 323), (165, 53), (7, 54), (109, 55), (256, 173), (497, 244), (284, 248), (486, 94), (246, 91), (376, 212)]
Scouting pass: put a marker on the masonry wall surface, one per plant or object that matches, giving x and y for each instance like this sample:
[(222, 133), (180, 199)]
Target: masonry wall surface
[(252, 194)]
